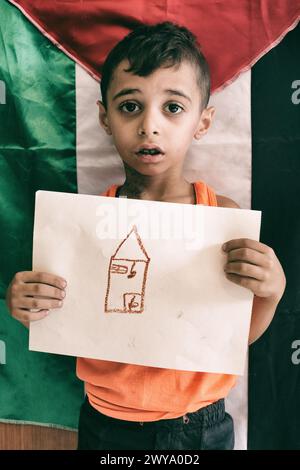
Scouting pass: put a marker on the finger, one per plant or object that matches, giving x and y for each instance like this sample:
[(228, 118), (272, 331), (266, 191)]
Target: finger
[(25, 316), (245, 270), (248, 283), (44, 290), (246, 243), (34, 303), (250, 256), (40, 277)]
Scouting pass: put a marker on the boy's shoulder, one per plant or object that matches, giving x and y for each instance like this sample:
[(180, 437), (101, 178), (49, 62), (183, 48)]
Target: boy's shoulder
[(224, 201)]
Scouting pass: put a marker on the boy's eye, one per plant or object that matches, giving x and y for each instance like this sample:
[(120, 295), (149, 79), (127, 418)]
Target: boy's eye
[(128, 107), (174, 108)]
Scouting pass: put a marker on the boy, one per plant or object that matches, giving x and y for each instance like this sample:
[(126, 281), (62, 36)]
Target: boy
[(155, 89)]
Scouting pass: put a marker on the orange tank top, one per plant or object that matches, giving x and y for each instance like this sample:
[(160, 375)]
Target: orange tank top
[(140, 393)]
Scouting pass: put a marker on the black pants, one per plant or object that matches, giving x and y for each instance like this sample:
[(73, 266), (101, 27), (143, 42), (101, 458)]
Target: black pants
[(209, 428)]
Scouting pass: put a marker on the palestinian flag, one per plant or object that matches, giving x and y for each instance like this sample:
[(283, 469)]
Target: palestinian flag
[(50, 64)]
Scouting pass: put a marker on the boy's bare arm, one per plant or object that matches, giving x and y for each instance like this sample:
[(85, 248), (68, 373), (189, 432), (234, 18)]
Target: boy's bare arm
[(30, 290), (254, 265)]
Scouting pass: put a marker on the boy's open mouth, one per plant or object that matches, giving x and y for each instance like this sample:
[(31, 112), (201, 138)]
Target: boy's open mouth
[(150, 154)]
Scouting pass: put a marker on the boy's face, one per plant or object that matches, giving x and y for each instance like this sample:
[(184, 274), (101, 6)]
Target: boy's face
[(153, 111)]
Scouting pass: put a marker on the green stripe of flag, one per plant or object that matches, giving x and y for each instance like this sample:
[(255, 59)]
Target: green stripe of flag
[(37, 101)]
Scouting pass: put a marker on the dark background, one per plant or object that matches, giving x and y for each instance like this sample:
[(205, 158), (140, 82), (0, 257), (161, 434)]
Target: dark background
[(274, 381)]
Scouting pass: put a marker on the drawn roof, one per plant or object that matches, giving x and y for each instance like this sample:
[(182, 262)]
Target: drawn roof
[(128, 250)]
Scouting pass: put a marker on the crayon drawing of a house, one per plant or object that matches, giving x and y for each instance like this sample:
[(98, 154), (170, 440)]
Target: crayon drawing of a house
[(127, 276)]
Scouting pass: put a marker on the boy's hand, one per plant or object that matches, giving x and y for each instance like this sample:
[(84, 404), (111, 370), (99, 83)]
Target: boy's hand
[(253, 265), (34, 290)]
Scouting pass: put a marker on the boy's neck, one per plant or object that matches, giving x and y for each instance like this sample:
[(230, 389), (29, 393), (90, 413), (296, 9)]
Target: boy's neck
[(164, 188)]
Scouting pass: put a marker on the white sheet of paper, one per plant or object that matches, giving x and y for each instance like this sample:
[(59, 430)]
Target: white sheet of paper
[(145, 280)]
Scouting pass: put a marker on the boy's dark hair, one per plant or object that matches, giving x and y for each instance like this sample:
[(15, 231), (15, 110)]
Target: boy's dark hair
[(149, 47)]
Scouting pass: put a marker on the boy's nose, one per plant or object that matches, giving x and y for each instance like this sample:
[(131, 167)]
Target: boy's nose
[(148, 125), (142, 131)]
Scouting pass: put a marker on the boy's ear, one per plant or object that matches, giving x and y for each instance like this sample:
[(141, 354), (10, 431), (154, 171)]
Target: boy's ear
[(103, 117), (205, 122)]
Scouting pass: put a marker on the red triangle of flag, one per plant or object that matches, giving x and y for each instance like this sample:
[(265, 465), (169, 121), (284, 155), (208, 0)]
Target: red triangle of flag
[(233, 34)]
